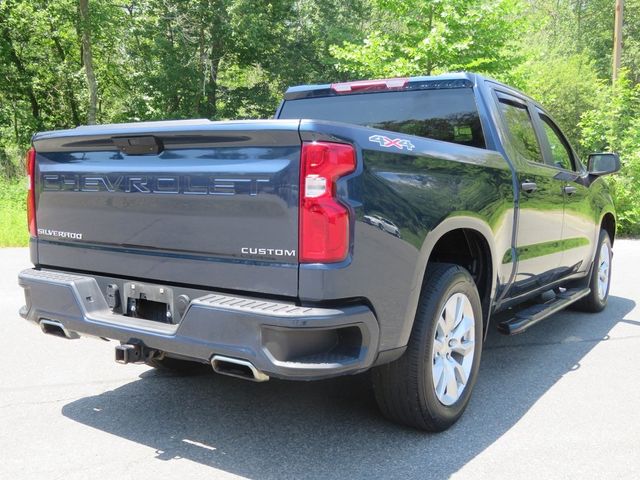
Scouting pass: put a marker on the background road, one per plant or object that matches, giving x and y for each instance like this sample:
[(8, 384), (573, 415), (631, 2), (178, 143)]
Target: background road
[(560, 401)]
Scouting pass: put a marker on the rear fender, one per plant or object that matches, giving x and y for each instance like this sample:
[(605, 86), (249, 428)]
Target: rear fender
[(448, 225)]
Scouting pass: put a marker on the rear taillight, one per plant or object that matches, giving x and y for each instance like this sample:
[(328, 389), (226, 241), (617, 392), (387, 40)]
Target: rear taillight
[(324, 221), (31, 195)]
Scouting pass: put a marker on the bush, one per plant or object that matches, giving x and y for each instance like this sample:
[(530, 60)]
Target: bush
[(11, 162), (614, 126), (13, 212)]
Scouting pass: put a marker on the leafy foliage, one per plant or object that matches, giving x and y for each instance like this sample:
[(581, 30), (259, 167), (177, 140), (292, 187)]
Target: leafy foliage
[(13, 213), (617, 128), (220, 59), (417, 37)]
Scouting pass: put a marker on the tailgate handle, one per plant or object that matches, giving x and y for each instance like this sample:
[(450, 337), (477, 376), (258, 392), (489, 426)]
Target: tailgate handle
[(139, 145)]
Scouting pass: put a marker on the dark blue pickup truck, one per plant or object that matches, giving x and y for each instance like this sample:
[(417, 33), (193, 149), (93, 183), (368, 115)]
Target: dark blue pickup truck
[(373, 225)]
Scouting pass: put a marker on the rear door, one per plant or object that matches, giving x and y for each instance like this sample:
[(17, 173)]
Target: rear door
[(541, 202), (580, 225), (212, 204)]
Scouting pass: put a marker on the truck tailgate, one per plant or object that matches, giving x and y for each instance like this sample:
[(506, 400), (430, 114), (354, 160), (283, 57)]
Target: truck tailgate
[(189, 202)]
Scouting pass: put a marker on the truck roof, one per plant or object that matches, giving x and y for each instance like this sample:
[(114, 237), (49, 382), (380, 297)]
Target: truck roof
[(445, 80)]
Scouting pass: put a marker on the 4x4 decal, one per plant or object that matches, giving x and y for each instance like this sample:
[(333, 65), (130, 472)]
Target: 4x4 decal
[(387, 142)]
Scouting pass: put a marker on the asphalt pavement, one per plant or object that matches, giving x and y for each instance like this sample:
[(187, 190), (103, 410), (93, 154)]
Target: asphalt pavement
[(559, 401)]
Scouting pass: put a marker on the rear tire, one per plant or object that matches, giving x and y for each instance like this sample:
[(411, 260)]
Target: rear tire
[(600, 279), (410, 390)]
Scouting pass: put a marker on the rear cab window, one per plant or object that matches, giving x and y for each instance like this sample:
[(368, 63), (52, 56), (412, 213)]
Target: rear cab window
[(450, 115)]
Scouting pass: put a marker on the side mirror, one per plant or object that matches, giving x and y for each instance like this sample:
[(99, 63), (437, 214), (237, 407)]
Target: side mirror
[(603, 163)]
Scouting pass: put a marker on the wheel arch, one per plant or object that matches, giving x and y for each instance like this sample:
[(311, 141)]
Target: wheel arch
[(608, 223), (477, 238)]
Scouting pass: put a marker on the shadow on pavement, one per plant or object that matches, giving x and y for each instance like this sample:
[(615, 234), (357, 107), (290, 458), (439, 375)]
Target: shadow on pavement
[(332, 429)]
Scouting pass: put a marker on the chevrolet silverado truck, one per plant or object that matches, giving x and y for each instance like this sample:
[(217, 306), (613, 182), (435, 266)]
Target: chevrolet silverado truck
[(249, 245)]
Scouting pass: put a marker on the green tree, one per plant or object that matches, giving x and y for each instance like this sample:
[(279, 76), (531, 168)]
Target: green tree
[(418, 37), (219, 59), (617, 128), (39, 69)]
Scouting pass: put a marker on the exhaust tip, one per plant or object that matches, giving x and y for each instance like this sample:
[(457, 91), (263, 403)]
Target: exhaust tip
[(235, 367), (55, 328)]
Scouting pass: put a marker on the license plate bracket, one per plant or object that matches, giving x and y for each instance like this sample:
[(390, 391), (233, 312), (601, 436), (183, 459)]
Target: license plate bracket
[(149, 302)]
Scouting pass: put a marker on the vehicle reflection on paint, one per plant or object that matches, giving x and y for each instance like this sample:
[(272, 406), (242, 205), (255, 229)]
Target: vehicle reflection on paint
[(383, 224)]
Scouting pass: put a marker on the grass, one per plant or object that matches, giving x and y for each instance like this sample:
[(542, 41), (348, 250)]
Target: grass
[(13, 213)]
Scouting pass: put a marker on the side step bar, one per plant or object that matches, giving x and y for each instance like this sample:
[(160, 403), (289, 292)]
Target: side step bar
[(535, 313)]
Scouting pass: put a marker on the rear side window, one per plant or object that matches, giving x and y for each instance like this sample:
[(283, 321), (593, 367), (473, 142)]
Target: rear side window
[(450, 115), (520, 126)]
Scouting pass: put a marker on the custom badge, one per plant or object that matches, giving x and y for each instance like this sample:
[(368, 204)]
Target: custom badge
[(386, 142)]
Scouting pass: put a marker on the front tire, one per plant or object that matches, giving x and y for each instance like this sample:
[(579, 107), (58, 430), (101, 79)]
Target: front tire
[(429, 387), (600, 279)]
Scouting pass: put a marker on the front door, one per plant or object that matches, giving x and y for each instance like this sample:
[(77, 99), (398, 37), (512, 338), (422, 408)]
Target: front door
[(580, 225)]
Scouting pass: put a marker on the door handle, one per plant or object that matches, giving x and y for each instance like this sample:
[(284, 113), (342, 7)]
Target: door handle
[(569, 190), (529, 187)]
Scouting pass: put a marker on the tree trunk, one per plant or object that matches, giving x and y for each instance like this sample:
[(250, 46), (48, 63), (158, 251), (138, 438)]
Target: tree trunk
[(211, 107), (216, 25), (16, 130), (87, 60), (617, 40), (202, 70), (430, 26), (68, 87)]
